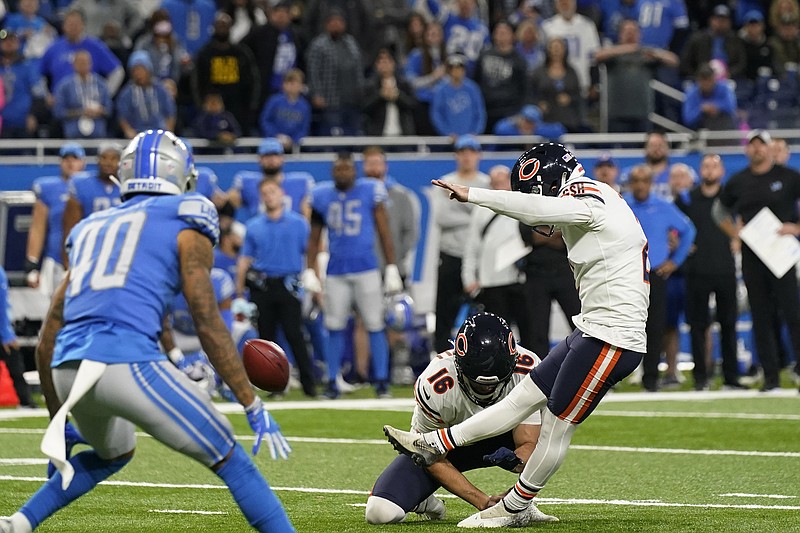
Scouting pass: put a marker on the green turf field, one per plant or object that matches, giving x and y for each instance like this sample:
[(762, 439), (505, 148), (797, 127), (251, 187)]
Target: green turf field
[(669, 462)]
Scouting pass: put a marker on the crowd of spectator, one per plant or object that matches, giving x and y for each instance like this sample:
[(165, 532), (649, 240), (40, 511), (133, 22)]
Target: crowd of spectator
[(293, 68)]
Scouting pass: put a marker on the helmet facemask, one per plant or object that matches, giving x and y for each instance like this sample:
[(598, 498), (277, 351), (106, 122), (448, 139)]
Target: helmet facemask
[(485, 358)]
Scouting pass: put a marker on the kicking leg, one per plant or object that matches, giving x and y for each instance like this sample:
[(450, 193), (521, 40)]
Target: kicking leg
[(506, 414)]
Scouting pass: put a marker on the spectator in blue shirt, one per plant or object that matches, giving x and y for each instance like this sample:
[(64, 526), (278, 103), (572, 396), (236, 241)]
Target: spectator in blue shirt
[(215, 123), (9, 352), (35, 33), (57, 62), (659, 219), (168, 54), (287, 116), (710, 103), (82, 101), (144, 103), (272, 259), (529, 122), (458, 107), (192, 21), (23, 85)]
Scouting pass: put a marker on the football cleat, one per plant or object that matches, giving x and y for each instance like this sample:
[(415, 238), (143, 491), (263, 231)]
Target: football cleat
[(432, 509), (497, 516), (413, 445)]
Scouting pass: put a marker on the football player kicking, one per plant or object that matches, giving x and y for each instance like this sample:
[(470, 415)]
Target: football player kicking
[(607, 250), (98, 355), (483, 367)]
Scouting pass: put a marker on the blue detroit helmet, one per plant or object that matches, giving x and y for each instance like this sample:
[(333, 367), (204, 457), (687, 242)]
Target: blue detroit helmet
[(156, 162), (399, 312)]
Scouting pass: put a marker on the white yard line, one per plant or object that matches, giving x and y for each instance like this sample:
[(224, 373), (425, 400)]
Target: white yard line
[(550, 501), (407, 404), (583, 447), (184, 511), (746, 495)]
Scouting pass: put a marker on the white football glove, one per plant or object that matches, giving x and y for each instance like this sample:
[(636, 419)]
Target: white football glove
[(392, 282), (310, 281)]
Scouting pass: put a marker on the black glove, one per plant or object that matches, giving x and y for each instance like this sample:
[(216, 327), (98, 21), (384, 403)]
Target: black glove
[(504, 458)]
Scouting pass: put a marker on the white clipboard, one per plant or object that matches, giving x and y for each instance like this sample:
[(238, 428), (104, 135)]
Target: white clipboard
[(778, 252)]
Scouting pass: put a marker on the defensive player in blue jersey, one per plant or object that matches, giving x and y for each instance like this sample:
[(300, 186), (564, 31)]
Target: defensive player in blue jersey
[(43, 258), (179, 338), (91, 193), (98, 355), (207, 182), (353, 210), (244, 193)]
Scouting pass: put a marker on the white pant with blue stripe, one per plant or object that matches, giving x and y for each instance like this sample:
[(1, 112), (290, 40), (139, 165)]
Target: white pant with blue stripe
[(154, 396)]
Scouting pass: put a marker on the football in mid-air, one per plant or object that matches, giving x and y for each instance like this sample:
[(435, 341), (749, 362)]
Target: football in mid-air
[(266, 365)]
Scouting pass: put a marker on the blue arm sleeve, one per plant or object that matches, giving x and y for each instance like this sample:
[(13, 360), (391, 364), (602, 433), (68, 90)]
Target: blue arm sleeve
[(305, 126), (437, 112), (691, 108), (265, 121), (480, 119), (60, 101), (686, 232), (727, 103), (6, 331), (434, 7)]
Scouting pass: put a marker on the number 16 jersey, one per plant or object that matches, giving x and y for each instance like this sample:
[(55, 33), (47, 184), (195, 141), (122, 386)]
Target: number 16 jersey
[(440, 402), (125, 271)]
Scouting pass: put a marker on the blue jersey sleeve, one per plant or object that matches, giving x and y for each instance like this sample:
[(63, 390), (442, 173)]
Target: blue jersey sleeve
[(223, 284), (200, 214), (380, 195), (6, 331)]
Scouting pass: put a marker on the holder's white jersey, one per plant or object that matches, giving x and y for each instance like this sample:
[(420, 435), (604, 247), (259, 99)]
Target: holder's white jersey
[(440, 401), (607, 250)]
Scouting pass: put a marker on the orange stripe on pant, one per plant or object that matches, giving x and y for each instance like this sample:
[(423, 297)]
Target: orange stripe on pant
[(585, 386), (600, 382)]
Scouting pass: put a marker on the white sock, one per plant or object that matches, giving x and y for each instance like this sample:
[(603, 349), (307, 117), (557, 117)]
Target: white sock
[(551, 448), (20, 524)]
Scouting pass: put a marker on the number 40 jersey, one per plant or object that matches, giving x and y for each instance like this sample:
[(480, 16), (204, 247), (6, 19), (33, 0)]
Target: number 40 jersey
[(125, 272), (440, 401)]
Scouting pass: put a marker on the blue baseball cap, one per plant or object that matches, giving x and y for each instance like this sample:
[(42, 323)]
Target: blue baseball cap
[(754, 15), (467, 142), (605, 160), (270, 146), (532, 113), (140, 57), (73, 149)]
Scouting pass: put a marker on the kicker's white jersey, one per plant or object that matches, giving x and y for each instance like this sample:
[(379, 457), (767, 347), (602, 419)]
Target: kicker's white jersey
[(607, 250), (440, 401)]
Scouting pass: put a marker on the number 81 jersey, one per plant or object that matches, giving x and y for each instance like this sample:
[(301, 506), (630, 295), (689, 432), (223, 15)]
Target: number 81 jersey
[(440, 402), (124, 271)]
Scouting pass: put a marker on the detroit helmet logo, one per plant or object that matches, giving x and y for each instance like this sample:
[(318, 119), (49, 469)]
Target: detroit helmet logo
[(529, 169)]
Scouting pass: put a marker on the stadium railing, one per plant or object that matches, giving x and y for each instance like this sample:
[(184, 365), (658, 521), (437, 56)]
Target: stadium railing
[(40, 151)]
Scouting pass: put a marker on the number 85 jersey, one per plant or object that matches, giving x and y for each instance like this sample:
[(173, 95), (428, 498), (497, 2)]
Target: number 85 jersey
[(124, 271), (440, 402)]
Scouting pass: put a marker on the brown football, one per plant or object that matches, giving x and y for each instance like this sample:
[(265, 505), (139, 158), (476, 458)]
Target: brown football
[(266, 365)]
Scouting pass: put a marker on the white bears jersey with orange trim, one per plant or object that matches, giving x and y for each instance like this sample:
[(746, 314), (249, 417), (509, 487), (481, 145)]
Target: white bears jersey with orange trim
[(607, 250), (440, 401)]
